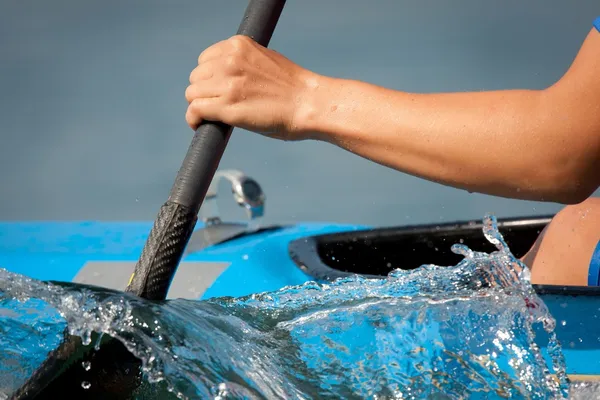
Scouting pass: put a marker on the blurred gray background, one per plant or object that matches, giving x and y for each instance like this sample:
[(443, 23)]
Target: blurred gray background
[(92, 99)]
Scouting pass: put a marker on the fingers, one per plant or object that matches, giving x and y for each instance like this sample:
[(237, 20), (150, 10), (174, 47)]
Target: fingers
[(202, 90), (201, 73), (227, 66), (202, 109), (217, 82), (212, 52), (235, 45), (193, 116), (225, 57)]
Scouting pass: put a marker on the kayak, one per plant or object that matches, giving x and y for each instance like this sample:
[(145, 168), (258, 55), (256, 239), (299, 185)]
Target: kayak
[(239, 258)]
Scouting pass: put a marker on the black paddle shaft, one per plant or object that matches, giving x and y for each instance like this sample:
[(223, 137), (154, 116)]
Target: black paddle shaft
[(177, 217), (119, 370)]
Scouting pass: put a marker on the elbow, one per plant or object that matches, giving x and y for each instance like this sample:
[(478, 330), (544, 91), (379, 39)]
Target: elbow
[(568, 127), (573, 196), (569, 186)]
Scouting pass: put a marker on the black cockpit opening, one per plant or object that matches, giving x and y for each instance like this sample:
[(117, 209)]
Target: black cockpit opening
[(376, 252)]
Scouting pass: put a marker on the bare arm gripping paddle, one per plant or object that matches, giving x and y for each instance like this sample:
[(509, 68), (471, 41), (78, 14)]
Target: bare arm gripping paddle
[(116, 371), (177, 217)]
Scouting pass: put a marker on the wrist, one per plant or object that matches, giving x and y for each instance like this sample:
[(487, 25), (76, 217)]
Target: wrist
[(315, 104)]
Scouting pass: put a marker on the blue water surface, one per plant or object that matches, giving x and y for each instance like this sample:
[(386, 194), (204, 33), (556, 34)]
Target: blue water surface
[(432, 333)]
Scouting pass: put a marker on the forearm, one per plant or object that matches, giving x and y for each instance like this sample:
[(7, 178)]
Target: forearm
[(514, 143)]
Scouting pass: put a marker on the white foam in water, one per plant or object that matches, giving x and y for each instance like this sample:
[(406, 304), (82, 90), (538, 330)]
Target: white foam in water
[(431, 333)]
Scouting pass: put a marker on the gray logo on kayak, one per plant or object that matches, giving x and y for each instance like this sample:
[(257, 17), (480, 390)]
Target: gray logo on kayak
[(192, 279)]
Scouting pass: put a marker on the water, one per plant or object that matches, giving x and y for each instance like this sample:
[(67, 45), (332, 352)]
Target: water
[(431, 333)]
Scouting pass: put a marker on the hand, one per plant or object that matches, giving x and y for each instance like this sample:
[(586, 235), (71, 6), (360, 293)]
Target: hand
[(243, 84)]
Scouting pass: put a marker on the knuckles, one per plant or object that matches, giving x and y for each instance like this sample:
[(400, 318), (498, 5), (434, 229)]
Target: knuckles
[(232, 64), (235, 89), (239, 43), (227, 68), (232, 53)]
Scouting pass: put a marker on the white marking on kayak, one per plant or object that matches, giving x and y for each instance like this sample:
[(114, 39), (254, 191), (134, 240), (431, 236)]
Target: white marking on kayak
[(192, 279)]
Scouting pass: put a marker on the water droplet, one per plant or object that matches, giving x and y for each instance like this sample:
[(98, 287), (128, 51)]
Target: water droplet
[(86, 338), (86, 385), (98, 342), (86, 365), (245, 257)]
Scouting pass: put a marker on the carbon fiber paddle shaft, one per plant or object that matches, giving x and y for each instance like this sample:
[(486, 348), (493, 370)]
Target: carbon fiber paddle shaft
[(177, 217), (162, 251)]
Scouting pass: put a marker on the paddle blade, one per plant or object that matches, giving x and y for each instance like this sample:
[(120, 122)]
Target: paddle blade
[(115, 373)]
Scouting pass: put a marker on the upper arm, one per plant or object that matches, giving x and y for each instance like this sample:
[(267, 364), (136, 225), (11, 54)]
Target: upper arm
[(573, 104)]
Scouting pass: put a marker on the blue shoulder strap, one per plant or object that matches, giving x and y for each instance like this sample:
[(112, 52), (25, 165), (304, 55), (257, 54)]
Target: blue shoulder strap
[(594, 270)]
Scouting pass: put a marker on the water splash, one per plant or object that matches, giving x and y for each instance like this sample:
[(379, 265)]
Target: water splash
[(435, 332)]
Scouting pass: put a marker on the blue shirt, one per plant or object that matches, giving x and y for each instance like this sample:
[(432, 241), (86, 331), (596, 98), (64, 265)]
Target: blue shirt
[(597, 23)]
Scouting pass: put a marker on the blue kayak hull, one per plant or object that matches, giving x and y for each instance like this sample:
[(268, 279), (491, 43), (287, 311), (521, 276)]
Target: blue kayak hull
[(59, 251), (104, 254)]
